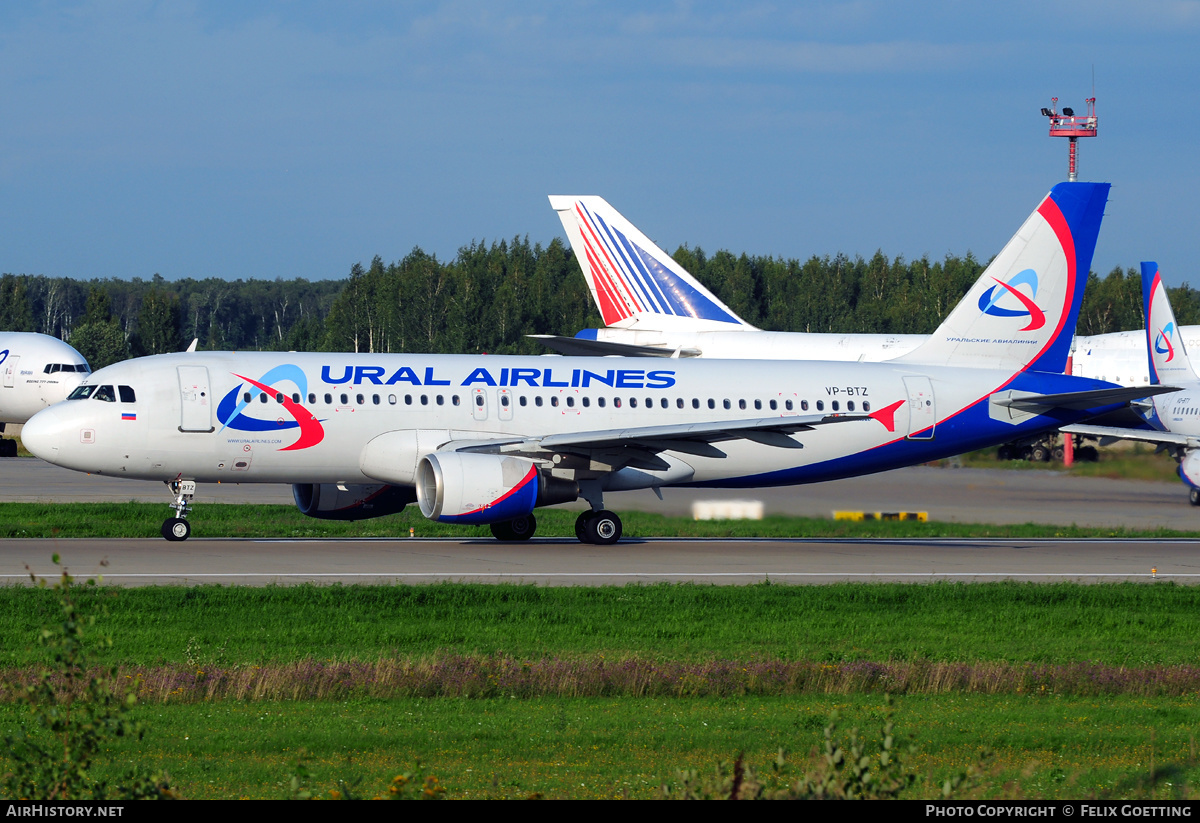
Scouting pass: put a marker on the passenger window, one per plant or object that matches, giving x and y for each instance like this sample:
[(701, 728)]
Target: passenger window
[(424, 400), (633, 402), (712, 404), (616, 402), (106, 394), (296, 398), (328, 399), (554, 400), (774, 405), (262, 397), (479, 400), (787, 404), (600, 402), (834, 405), (758, 404), (524, 400), (408, 399), (679, 402), (587, 401), (246, 397), (454, 399), (849, 405), (503, 400), (392, 399), (127, 395), (820, 405), (312, 399), (279, 397), (375, 399), (571, 402), (695, 402), (866, 406), (537, 401), (804, 405), (441, 401)]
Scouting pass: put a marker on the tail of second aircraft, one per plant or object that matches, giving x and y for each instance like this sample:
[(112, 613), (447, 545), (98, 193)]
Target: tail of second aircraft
[(635, 283), (1021, 313), (1169, 361)]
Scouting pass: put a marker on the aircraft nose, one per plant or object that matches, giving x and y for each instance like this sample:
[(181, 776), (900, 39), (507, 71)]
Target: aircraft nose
[(43, 434)]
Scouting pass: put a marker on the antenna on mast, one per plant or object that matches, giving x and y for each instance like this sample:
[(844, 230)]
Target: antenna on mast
[(1072, 126)]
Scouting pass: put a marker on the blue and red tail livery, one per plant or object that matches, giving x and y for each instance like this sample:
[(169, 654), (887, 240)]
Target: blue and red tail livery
[(1020, 315), (629, 276)]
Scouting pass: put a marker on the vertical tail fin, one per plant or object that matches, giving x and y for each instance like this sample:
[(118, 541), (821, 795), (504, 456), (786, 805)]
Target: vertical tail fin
[(633, 281), (1169, 361), (1021, 313)]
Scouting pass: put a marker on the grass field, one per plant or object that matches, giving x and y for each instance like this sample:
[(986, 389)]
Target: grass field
[(132, 519), (1080, 691), (1043, 746)]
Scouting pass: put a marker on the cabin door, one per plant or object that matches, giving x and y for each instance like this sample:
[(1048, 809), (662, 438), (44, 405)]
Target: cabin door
[(195, 399)]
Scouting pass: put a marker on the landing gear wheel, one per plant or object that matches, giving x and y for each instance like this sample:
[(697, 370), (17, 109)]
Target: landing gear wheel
[(581, 531), (603, 528), (1039, 454), (176, 529), (522, 528), (1194, 497)]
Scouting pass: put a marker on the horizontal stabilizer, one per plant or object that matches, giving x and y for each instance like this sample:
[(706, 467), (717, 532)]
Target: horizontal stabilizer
[(1077, 400), (1143, 435), (581, 347)]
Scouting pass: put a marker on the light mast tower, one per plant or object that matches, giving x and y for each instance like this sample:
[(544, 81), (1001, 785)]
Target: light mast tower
[(1069, 125)]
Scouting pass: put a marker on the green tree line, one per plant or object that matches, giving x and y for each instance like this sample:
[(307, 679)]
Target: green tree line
[(491, 295)]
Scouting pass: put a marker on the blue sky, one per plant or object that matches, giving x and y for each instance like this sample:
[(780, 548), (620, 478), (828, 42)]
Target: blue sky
[(294, 139)]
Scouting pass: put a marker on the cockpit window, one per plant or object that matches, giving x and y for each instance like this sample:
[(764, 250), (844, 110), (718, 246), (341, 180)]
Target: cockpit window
[(51, 368), (81, 393), (127, 395), (106, 394)]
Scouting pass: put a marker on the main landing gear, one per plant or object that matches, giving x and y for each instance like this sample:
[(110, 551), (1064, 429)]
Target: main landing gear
[(600, 527), (177, 528), (522, 528)]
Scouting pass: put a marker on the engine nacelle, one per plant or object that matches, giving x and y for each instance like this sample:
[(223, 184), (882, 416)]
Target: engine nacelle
[(461, 487), (328, 501), (1189, 469)]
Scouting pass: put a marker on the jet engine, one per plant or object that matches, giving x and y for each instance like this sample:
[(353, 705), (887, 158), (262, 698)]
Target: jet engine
[(1189, 469), (329, 501), (461, 487)]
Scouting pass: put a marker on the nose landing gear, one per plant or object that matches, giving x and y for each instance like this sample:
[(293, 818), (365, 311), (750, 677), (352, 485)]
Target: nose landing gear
[(177, 528)]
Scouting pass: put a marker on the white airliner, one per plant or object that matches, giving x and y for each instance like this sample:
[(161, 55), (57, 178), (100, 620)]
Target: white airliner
[(36, 370), (1175, 416), (485, 439), (652, 306)]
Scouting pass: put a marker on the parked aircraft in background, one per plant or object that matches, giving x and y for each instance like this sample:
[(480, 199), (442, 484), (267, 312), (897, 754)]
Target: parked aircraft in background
[(36, 370), (487, 439), (1175, 416), (653, 307)]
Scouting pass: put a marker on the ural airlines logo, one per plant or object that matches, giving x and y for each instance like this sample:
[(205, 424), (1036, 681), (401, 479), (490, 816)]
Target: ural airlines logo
[(3, 355), (233, 410), (998, 301), (1164, 340)]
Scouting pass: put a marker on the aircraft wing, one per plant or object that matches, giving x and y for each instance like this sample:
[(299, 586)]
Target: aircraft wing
[(689, 438), (1109, 434), (1077, 400), (579, 347)]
